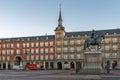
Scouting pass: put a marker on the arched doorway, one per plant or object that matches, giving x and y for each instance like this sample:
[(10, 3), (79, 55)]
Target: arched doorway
[(4, 66), (72, 65), (18, 59), (66, 65), (59, 65), (114, 64), (9, 67)]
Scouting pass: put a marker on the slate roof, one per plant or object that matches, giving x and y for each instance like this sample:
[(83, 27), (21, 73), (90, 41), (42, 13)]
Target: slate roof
[(68, 34), (31, 38), (83, 33)]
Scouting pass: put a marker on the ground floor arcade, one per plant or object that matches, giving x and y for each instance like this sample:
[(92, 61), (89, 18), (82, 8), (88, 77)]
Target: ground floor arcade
[(57, 64)]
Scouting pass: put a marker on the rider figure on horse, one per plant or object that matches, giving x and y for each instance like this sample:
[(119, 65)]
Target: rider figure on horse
[(93, 36)]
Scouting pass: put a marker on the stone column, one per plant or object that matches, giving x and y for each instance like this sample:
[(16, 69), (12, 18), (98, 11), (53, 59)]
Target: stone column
[(110, 64), (44, 65), (63, 66), (75, 65), (69, 64), (1, 65), (21, 64), (49, 65), (55, 65), (6, 64)]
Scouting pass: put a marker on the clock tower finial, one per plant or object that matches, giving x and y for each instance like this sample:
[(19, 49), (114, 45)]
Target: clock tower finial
[(60, 26)]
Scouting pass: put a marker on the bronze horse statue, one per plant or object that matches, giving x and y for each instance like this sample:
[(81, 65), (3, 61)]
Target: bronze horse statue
[(94, 40)]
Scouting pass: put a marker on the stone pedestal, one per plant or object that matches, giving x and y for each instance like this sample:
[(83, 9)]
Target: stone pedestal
[(92, 62)]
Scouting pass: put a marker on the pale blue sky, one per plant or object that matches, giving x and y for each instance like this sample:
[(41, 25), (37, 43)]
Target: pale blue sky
[(20, 18)]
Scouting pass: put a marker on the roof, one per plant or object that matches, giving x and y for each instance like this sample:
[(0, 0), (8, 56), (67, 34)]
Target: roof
[(68, 34), (31, 38), (83, 33)]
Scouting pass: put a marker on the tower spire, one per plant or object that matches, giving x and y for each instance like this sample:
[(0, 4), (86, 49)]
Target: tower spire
[(60, 17), (60, 26)]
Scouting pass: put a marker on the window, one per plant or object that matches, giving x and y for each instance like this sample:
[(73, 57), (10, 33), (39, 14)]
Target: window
[(3, 52), (46, 57), (8, 58), (24, 45), (28, 57), (114, 40), (8, 45), (107, 47), (37, 57), (18, 51), (107, 55), (26, 51), (3, 58), (78, 56), (114, 55), (78, 49), (32, 51), (8, 51), (58, 35), (72, 56), (58, 43), (12, 45), (41, 57), (58, 49), (18, 45), (51, 50), (107, 40), (37, 44), (41, 44), (3, 45), (41, 50), (51, 43), (46, 50), (46, 38), (71, 49), (65, 49), (12, 51), (65, 42), (32, 57), (37, 50), (65, 56), (59, 56), (51, 57), (32, 44), (37, 38), (27, 44), (78, 41), (114, 47), (46, 43), (71, 42)]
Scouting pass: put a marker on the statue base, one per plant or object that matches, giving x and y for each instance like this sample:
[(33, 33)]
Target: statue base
[(92, 62)]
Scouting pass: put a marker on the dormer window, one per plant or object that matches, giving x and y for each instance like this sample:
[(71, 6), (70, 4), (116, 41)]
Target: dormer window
[(47, 38), (114, 33), (107, 34), (72, 35), (37, 38), (28, 39), (78, 35)]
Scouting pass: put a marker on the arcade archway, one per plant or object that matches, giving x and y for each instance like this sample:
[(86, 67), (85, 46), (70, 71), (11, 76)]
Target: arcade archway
[(18, 59), (72, 65), (59, 65)]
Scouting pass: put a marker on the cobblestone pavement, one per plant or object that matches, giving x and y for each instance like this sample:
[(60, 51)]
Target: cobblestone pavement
[(55, 75)]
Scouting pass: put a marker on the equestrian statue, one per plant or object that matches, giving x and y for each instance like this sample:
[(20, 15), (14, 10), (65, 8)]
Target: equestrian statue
[(93, 40)]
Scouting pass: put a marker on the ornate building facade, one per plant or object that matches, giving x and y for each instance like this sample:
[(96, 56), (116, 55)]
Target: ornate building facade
[(59, 51)]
